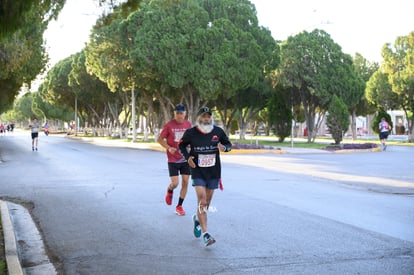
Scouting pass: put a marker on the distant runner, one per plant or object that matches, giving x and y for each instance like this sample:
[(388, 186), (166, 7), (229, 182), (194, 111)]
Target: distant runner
[(384, 128), (35, 127)]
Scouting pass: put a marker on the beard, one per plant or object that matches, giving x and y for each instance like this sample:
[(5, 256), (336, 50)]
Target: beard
[(205, 127)]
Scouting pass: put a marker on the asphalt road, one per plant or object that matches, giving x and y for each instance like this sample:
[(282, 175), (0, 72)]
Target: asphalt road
[(102, 211)]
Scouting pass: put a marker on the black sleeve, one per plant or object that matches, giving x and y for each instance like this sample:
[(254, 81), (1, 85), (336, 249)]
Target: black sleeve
[(225, 141), (184, 142)]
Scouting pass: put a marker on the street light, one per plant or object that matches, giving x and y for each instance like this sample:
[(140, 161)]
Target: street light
[(76, 115)]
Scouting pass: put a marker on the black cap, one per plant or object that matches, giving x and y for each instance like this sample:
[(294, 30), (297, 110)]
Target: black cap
[(179, 108), (204, 110)]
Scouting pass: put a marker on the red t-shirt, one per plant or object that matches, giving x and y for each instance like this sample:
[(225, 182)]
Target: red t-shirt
[(173, 132)]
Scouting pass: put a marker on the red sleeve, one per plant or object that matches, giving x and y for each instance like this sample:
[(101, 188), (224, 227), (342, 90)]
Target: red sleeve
[(165, 131)]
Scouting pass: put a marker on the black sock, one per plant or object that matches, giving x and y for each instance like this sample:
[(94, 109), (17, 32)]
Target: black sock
[(180, 201)]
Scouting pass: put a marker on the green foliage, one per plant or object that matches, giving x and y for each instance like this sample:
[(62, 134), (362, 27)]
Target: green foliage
[(379, 92), (56, 89), (315, 69), (22, 53), (208, 50), (14, 14), (338, 119), (398, 65), (280, 114)]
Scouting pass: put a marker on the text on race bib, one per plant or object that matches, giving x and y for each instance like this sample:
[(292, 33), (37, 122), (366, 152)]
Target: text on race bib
[(178, 135), (207, 160)]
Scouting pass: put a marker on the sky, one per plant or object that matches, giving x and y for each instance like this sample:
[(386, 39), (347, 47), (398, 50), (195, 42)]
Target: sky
[(362, 26)]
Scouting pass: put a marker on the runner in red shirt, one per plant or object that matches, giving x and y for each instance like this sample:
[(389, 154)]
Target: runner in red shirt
[(169, 138)]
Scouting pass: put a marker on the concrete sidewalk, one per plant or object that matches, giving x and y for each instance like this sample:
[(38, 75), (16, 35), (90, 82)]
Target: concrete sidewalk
[(24, 249)]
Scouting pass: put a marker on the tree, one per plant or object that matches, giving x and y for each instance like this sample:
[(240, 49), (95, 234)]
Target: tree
[(55, 88), (95, 99), (338, 119), (206, 50), (237, 53), (250, 101), (280, 113), (14, 14), (22, 109), (164, 53), (378, 92), (399, 66), (314, 66), (22, 53), (364, 70)]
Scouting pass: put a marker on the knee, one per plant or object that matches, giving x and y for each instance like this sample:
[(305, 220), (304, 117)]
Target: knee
[(203, 206), (174, 183)]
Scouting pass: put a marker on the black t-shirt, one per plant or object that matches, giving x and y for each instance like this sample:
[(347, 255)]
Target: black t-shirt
[(204, 148)]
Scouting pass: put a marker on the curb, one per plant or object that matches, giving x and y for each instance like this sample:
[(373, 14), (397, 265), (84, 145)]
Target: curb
[(256, 151), (157, 147), (358, 150), (12, 257)]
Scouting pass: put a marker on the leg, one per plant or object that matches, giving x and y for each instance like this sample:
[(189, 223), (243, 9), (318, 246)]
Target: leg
[(173, 172), (209, 195), (170, 189), (204, 195), (201, 192), (184, 186), (173, 183)]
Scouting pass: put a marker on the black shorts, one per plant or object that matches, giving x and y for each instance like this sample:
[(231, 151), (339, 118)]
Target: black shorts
[(383, 135), (181, 168), (35, 135)]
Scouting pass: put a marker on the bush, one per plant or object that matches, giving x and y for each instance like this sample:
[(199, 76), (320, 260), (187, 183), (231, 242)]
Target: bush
[(338, 119)]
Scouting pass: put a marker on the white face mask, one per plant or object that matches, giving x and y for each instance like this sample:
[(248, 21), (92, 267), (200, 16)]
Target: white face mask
[(205, 126)]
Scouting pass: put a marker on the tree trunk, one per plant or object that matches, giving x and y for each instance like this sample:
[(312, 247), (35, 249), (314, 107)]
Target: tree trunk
[(242, 127), (193, 102), (353, 125), (134, 117)]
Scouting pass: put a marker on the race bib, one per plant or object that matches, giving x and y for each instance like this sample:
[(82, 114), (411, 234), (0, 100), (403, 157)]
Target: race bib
[(178, 136), (207, 160)]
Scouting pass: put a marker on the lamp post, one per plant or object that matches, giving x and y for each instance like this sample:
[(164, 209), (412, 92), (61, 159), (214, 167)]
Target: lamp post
[(76, 115), (291, 131)]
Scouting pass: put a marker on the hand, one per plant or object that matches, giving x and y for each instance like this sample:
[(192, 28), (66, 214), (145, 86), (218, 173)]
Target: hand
[(172, 150), (191, 162), (221, 147)]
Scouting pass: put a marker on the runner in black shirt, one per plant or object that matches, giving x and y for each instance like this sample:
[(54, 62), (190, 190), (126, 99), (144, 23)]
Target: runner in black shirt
[(206, 141)]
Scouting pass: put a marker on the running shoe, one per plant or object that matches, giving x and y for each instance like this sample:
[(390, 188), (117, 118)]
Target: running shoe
[(208, 240), (179, 210), (197, 227), (168, 197), (385, 147)]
